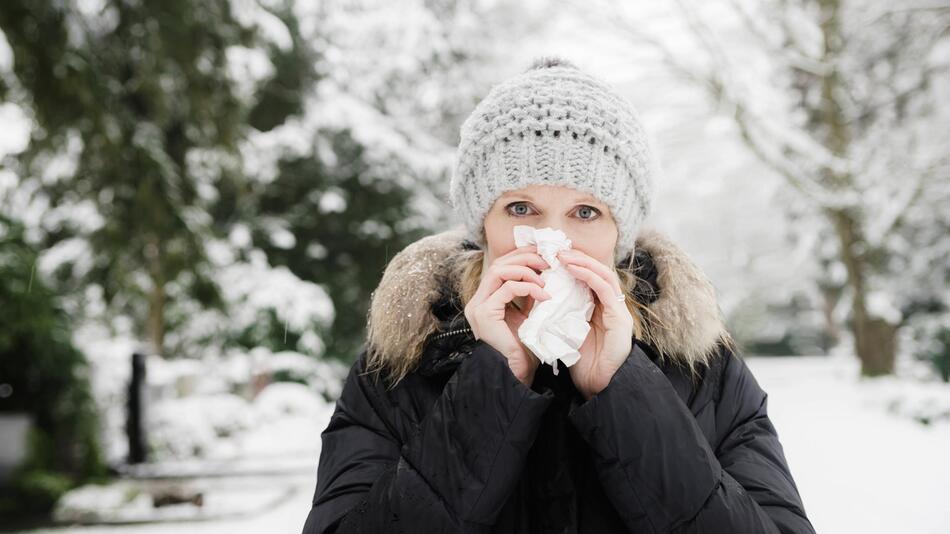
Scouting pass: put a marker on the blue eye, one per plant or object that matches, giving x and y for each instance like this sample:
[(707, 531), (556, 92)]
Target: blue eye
[(521, 209), (517, 205), (589, 208)]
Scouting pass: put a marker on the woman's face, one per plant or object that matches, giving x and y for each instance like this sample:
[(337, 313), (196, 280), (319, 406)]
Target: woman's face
[(586, 221)]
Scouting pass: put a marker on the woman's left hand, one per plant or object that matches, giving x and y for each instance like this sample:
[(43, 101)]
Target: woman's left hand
[(610, 339)]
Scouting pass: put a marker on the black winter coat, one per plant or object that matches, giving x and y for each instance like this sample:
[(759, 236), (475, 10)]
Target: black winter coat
[(461, 445)]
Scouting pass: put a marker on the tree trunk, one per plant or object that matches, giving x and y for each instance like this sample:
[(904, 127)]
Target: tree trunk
[(875, 340), (155, 327), (829, 299), (876, 344)]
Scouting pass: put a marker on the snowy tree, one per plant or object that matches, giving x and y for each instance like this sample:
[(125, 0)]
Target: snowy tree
[(363, 171), (166, 136), (128, 101), (841, 99)]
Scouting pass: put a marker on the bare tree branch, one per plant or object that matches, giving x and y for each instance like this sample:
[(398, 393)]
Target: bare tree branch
[(794, 56)]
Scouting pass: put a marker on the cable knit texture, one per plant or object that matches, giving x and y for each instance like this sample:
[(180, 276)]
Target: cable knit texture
[(553, 124)]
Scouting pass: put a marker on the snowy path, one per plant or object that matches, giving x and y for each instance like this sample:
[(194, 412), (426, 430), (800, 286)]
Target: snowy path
[(859, 469)]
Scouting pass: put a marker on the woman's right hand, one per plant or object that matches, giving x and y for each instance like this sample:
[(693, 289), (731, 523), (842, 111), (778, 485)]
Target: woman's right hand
[(494, 321)]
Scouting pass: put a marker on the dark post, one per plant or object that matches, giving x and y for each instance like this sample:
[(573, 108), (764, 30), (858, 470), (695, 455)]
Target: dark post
[(135, 421)]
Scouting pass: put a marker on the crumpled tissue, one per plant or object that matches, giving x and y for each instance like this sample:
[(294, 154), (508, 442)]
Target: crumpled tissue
[(555, 328)]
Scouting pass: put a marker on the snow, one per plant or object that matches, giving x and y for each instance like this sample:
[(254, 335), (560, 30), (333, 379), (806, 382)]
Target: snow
[(250, 505), (258, 286), (880, 304), (332, 201), (253, 289), (242, 456), (128, 502), (858, 466), (191, 426), (6, 56), (860, 460), (240, 236), (247, 67), (253, 14), (15, 134), (213, 408), (73, 251), (227, 427), (120, 499), (859, 449)]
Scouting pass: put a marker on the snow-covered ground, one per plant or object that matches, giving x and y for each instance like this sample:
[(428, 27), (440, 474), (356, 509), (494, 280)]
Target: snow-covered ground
[(286, 516), (861, 463)]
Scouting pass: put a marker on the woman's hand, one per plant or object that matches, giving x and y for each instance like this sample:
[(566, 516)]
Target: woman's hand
[(610, 339), (494, 321)]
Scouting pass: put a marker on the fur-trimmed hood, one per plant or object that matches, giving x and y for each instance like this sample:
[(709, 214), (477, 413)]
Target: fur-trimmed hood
[(684, 322)]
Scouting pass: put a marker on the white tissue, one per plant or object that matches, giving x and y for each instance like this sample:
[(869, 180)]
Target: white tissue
[(555, 328)]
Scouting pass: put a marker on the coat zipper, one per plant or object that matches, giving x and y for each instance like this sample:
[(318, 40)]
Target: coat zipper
[(452, 333)]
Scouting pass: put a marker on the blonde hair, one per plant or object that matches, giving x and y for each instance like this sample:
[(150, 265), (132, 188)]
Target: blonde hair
[(465, 272), (469, 276)]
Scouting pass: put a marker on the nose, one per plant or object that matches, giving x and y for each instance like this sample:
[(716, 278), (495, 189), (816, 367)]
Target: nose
[(571, 234)]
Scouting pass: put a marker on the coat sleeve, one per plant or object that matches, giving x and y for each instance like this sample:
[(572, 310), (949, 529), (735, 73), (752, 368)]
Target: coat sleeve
[(453, 474), (661, 473)]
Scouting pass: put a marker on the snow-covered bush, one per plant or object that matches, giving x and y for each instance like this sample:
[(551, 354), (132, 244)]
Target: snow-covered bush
[(929, 341)]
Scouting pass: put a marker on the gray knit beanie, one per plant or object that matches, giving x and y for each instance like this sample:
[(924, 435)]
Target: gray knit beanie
[(553, 124)]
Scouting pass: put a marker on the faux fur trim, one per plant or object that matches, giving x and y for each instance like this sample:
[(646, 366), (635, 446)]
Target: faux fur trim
[(684, 323)]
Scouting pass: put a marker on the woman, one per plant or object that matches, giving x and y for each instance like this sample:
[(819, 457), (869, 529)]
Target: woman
[(447, 423)]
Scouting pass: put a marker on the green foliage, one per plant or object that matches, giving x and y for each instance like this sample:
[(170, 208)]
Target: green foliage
[(47, 380), (135, 93), (356, 240), (283, 94), (937, 352), (33, 493), (140, 89), (267, 331), (928, 321)]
